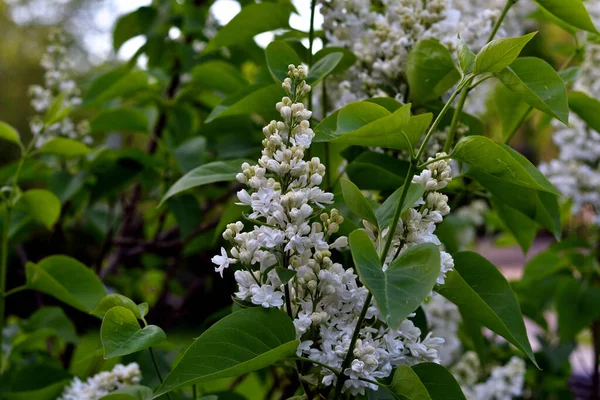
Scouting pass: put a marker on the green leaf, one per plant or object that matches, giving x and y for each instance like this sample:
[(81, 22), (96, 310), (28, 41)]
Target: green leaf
[(539, 85), (279, 56), (430, 71), (323, 67), (64, 147), (365, 123), (121, 333), (113, 300), (217, 171), (403, 286), (120, 119), (357, 203), (572, 12), (242, 342), (500, 53), (65, 185), (66, 279), (577, 308), (41, 205), (385, 213), (135, 23), (348, 59), (252, 20), (53, 318), (466, 58), (538, 205), (587, 108), (285, 274), (50, 392), (259, 99), (218, 75), (120, 82), (522, 227), (377, 171), (502, 162), (481, 292), (426, 381), (509, 106), (406, 383), (50, 116), (10, 134)]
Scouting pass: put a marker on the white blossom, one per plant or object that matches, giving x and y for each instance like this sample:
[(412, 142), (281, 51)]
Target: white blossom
[(505, 382), (292, 230), (58, 81), (102, 383)]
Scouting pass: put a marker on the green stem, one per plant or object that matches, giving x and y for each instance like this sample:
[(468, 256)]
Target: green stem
[(507, 6), (4, 246), (195, 392), (15, 290), (160, 378), (311, 39), (456, 118), (329, 367), (438, 119), (346, 363)]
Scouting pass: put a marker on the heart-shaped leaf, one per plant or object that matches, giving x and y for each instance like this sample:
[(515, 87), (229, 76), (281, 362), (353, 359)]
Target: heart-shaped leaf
[(121, 333), (242, 342), (113, 300), (66, 279), (403, 286), (481, 292)]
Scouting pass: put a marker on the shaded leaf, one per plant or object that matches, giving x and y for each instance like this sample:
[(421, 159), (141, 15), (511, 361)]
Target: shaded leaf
[(218, 171), (430, 71), (261, 337), (41, 205), (323, 67), (120, 119), (279, 56), (66, 279), (121, 333), (357, 203)]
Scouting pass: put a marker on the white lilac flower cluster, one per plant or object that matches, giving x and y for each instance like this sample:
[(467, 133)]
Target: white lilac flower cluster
[(576, 169), (292, 232), (103, 383), (443, 319), (57, 82), (382, 34), (505, 382)]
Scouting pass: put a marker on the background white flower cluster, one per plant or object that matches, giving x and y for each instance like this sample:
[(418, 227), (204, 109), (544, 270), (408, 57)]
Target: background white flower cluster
[(103, 383), (58, 81)]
